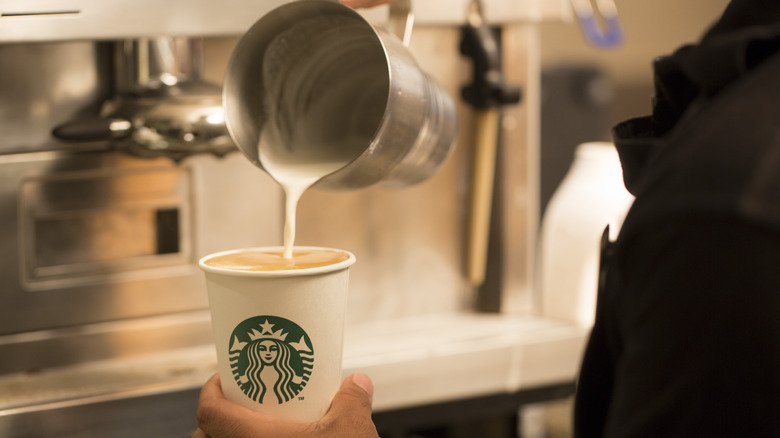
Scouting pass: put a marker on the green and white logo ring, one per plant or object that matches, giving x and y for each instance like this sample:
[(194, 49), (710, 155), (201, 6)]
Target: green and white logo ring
[(271, 358)]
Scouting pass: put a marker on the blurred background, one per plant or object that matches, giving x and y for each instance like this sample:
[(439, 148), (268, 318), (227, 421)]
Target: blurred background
[(104, 321), (622, 77), (621, 86), (651, 29)]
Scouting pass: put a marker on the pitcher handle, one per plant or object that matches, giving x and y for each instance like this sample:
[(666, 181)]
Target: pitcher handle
[(402, 20)]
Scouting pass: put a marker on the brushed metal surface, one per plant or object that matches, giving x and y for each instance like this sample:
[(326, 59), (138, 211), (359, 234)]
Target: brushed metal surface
[(97, 245), (87, 255), (45, 84), (81, 240)]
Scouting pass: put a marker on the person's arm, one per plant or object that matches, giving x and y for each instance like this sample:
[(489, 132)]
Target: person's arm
[(349, 415)]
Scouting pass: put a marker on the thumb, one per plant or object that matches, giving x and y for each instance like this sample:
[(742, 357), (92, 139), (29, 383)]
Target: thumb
[(355, 395), (351, 407)]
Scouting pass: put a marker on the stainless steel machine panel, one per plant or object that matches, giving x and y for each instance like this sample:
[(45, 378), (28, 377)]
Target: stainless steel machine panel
[(96, 226), (98, 247), (44, 84), (100, 229)]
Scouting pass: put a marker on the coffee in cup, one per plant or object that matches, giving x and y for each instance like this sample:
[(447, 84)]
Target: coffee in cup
[(257, 260)]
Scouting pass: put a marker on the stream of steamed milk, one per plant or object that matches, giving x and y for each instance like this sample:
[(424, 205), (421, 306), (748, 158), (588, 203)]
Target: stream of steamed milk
[(295, 179)]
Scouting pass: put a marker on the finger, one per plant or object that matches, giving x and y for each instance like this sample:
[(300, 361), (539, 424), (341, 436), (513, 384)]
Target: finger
[(351, 407), (218, 417), (212, 388), (199, 434), (356, 392)]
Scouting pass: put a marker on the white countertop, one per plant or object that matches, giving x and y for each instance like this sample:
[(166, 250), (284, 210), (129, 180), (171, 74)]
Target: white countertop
[(411, 361), (444, 357)]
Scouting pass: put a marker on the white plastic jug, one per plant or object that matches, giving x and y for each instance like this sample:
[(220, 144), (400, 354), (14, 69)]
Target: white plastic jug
[(589, 198)]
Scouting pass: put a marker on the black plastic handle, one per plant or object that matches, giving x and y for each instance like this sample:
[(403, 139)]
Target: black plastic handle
[(84, 130)]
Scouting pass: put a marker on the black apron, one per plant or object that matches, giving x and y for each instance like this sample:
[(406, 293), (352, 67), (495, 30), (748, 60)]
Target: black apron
[(686, 341)]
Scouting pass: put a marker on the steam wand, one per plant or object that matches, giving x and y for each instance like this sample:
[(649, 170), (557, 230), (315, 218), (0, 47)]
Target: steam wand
[(487, 94)]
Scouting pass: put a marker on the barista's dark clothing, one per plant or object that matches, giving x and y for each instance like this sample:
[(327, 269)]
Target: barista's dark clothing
[(686, 341)]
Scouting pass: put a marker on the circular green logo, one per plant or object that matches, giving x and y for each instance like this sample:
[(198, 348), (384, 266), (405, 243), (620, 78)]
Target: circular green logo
[(271, 358)]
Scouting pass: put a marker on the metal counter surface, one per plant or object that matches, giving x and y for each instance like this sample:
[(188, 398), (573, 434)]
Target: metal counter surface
[(413, 362)]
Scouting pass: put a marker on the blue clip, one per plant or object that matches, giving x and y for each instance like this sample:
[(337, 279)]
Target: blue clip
[(612, 35)]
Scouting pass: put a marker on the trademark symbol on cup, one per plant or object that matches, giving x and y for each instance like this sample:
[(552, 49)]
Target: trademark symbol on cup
[(301, 398)]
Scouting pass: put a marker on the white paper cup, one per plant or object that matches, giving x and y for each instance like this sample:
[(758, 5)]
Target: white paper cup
[(279, 334)]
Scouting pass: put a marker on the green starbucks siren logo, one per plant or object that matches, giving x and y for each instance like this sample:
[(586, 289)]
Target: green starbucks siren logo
[(271, 358)]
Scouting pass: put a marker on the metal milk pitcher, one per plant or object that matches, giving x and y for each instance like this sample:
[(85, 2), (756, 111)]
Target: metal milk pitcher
[(312, 82)]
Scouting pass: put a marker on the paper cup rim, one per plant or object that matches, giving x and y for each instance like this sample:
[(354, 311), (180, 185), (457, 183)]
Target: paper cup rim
[(344, 264)]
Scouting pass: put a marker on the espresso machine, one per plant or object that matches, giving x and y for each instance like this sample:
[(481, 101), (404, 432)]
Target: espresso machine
[(117, 174)]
